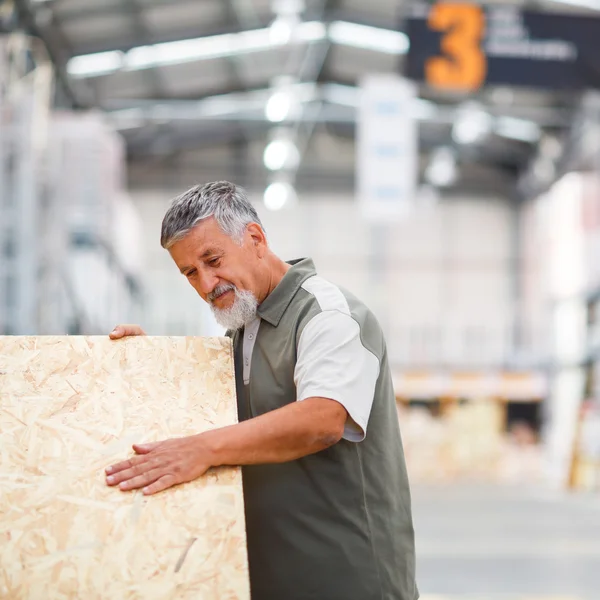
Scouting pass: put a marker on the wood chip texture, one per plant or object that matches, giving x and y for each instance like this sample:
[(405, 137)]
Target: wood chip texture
[(69, 407)]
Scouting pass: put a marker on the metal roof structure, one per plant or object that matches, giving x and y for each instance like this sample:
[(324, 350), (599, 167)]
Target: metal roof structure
[(188, 83)]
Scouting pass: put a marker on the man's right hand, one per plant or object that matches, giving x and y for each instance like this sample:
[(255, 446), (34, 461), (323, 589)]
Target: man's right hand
[(121, 331)]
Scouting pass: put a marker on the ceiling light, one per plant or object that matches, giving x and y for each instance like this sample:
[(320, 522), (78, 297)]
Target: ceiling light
[(349, 95), (129, 118), (278, 194), (281, 154), (181, 51), (232, 44), (278, 107), (282, 29), (471, 124), (101, 63), (286, 95), (370, 38), (288, 7), (521, 130), (311, 31), (337, 93), (442, 170), (168, 53)]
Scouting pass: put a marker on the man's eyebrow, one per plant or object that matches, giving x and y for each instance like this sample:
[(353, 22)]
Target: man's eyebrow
[(206, 254), (212, 252)]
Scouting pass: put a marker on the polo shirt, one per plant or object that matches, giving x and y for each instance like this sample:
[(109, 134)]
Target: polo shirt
[(337, 524)]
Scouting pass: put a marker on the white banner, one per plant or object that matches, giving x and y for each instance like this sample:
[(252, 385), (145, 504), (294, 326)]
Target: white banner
[(387, 147)]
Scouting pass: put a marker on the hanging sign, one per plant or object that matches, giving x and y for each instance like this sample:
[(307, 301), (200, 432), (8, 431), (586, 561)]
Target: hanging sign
[(387, 147), (461, 46)]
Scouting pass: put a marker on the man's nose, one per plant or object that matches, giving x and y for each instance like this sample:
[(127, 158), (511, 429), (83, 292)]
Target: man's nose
[(207, 283)]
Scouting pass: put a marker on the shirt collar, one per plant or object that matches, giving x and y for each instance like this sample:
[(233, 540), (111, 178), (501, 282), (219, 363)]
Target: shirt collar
[(273, 306)]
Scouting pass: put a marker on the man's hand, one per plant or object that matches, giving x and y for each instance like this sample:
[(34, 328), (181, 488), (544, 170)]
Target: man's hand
[(288, 433), (121, 331), (160, 465)]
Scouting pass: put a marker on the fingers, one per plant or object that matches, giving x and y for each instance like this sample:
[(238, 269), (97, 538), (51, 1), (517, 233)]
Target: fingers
[(149, 474), (162, 483), (137, 465), (115, 473), (139, 481), (145, 448), (121, 331), (122, 466), (159, 465)]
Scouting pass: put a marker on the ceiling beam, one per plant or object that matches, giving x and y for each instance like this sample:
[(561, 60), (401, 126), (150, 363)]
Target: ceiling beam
[(144, 37), (56, 49), (480, 180), (244, 105), (103, 9)]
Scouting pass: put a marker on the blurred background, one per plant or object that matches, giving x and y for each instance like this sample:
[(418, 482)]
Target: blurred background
[(439, 160)]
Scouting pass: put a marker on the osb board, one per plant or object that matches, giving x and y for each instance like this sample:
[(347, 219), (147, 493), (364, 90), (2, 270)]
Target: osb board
[(69, 407)]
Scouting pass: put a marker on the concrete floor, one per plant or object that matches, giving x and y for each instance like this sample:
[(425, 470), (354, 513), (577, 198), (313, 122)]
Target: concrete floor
[(505, 543)]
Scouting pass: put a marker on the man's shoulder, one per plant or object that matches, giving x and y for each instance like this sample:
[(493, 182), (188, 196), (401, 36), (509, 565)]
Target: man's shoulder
[(326, 296), (329, 296)]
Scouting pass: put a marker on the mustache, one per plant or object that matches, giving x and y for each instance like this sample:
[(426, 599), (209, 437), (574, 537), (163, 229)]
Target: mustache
[(220, 290)]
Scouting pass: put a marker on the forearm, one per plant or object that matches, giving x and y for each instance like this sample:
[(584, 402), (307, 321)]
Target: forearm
[(281, 435)]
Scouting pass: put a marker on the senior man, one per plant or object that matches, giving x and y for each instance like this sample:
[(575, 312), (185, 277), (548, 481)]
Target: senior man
[(328, 509)]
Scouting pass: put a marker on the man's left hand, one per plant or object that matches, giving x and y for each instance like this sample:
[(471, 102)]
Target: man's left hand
[(161, 465)]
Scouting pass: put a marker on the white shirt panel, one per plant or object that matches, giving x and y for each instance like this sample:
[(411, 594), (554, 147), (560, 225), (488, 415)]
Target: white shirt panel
[(333, 363), (328, 295)]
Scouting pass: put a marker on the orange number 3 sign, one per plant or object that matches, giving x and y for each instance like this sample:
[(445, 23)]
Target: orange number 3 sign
[(463, 65)]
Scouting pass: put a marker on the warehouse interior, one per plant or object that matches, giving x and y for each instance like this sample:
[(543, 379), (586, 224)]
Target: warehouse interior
[(465, 213)]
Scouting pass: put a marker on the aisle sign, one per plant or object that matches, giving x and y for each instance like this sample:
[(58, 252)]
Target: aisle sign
[(387, 147), (462, 46)]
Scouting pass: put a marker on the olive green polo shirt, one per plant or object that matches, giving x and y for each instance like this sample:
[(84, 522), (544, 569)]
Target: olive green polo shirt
[(335, 525)]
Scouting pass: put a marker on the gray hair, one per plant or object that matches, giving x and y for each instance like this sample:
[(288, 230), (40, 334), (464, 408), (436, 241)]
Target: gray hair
[(224, 201)]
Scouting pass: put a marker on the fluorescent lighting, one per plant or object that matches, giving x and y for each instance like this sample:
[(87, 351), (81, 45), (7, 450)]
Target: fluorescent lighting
[(231, 44), (215, 46), (442, 170), (129, 118), (278, 194), (278, 107), (169, 53), (282, 30), (349, 95), (370, 38), (281, 154), (337, 93), (518, 129), (311, 31), (471, 124), (90, 65)]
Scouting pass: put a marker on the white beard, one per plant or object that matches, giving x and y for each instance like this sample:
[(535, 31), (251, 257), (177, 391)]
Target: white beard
[(240, 313)]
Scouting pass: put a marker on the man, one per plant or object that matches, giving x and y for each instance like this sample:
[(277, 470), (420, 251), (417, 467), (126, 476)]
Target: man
[(328, 511)]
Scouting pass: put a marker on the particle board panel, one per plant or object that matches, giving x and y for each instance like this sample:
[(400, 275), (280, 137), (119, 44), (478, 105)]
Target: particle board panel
[(69, 407)]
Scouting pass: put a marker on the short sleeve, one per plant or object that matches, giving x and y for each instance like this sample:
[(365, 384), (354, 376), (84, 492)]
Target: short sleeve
[(333, 363)]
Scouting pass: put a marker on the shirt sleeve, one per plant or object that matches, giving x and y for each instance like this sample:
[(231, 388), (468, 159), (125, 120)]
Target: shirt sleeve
[(333, 363)]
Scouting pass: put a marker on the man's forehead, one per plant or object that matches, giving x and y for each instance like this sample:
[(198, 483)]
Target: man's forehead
[(207, 236), (200, 242)]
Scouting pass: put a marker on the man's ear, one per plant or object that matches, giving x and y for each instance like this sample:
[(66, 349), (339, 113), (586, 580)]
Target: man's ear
[(257, 238)]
